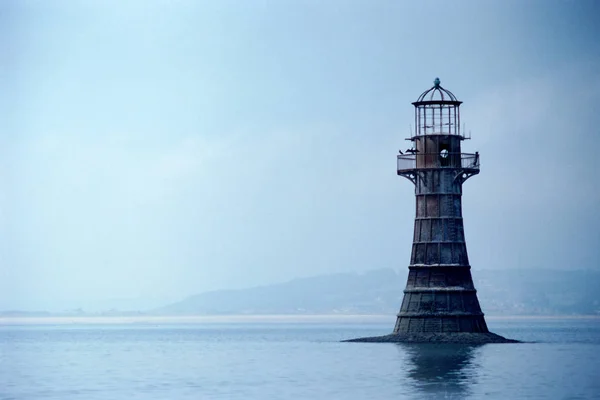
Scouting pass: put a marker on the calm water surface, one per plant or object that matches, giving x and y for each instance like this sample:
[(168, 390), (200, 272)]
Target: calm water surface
[(294, 361)]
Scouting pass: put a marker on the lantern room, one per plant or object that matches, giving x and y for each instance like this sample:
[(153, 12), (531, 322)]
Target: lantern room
[(437, 112)]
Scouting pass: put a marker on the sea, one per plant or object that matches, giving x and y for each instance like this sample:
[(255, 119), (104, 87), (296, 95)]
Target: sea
[(286, 359)]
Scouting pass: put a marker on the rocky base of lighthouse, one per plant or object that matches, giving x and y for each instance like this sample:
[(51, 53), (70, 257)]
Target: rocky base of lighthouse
[(455, 337)]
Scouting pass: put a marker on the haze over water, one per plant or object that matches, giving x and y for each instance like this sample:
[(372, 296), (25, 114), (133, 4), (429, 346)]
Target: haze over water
[(153, 150)]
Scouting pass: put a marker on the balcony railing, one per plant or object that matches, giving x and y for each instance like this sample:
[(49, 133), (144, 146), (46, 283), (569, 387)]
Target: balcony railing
[(406, 162), (467, 161)]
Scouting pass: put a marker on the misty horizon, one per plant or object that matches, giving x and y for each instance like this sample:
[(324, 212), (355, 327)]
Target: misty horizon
[(505, 292)]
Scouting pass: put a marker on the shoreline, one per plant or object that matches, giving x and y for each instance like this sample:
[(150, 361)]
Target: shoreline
[(241, 319)]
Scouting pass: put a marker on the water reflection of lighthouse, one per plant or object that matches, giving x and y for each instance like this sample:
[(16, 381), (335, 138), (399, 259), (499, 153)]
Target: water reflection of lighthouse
[(441, 370)]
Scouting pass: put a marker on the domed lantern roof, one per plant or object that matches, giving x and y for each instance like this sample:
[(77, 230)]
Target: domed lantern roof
[(437, 95)]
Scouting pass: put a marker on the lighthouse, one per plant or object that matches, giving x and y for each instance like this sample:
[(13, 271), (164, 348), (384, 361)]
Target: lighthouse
[(440, 300)]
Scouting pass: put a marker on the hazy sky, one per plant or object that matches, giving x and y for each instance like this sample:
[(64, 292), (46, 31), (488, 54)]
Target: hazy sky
[(150, 150)]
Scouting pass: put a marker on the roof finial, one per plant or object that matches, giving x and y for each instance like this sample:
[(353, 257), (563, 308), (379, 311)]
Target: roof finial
[(436, 82)]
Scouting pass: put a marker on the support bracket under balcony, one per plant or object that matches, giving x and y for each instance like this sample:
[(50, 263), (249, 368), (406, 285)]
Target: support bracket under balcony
[(410, 175), (463, 174)]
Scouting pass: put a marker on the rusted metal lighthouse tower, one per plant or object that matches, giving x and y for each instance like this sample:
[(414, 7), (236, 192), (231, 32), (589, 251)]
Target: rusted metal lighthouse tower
[(440, 301)]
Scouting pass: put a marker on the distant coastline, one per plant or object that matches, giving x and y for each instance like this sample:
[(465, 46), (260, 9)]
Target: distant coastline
[(516, 293), (241, 319)]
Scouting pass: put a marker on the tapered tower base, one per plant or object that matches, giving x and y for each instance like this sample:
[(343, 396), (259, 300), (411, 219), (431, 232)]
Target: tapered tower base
[(455, 337)]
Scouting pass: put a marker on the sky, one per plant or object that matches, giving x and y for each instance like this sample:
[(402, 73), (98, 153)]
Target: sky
[(152, 150)]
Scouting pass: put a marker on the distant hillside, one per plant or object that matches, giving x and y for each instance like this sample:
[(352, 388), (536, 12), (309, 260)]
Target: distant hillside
[(504, 292)]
